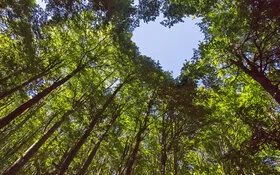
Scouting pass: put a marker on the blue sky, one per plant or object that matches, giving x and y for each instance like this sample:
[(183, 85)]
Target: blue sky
[(170, 46)]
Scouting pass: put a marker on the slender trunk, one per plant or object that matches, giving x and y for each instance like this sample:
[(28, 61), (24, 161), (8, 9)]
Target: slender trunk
[(175, 163), (175, 147), (163, 159), (19, 87), (131, 160), (2, 80), (93, 152), (86, 134), (34, 148), (5, 104), (163, 148), (72, 153), (125, 151), (273, 90), (20, 124), (18, 145), (6, 120)]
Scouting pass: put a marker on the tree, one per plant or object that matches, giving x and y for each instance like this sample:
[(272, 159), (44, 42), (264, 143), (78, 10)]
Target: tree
[(77, 97)]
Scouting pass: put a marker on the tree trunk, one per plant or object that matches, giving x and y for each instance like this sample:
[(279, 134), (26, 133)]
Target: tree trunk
[(19, 87), (93, 152), (175, 162), (175, 147), (6, 120), (18, 126), (18, 145), (131, 160), (163, 148), (35, 147), (86, 134), (273, 90), (2, 80), (125, 151)]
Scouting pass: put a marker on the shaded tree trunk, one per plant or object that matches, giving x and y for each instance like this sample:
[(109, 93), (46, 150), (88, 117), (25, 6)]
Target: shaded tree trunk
[(131, 160), (86, 134), (163, 148), (273, 90), (19, 87), (175, 163), (35, 147), (125, 151), (2, 80), (18, 145), (175, 146), (7, 119), (18, 126), (93, 152)]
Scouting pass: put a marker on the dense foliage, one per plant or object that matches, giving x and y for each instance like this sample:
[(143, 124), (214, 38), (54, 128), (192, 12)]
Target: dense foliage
[(77, 97)]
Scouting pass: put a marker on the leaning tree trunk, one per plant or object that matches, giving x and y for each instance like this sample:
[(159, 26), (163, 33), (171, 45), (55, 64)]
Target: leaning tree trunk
[(18, 126), (17, 146), (35, 147), (163, 149), (2, 80), (273, 90), (6, 120), (131, 160), (175, 160), (124, 154), (19, 87), (93, 152), (86, 134)]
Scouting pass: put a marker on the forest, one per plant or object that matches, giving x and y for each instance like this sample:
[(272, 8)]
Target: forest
[(77, 97)]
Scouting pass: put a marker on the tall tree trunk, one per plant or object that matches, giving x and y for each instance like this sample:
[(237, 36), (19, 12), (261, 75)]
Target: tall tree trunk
[(18, 126), (2, 80), (86, 134), (6, 120), (131, 160), (19, 87), (175, 147), (175, 161), (125, 151), (35, 147), (93, 152), (163, 148), (273, 90), (18, 145)]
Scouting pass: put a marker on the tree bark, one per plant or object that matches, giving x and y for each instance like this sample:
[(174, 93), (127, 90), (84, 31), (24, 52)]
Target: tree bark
[(273, 90), (19, 87), (7, 119), (93, 152), (163, 148), (20, 124), (2, 80), (35, 147), (86, 134), (18, 145), (131, 160), (175, 147), (175, 163)]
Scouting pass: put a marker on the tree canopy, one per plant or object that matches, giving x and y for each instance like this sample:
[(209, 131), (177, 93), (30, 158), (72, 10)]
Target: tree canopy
[(77, 97)]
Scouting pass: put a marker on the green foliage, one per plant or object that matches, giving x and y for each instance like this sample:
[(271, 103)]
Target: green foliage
[(74, 69)]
